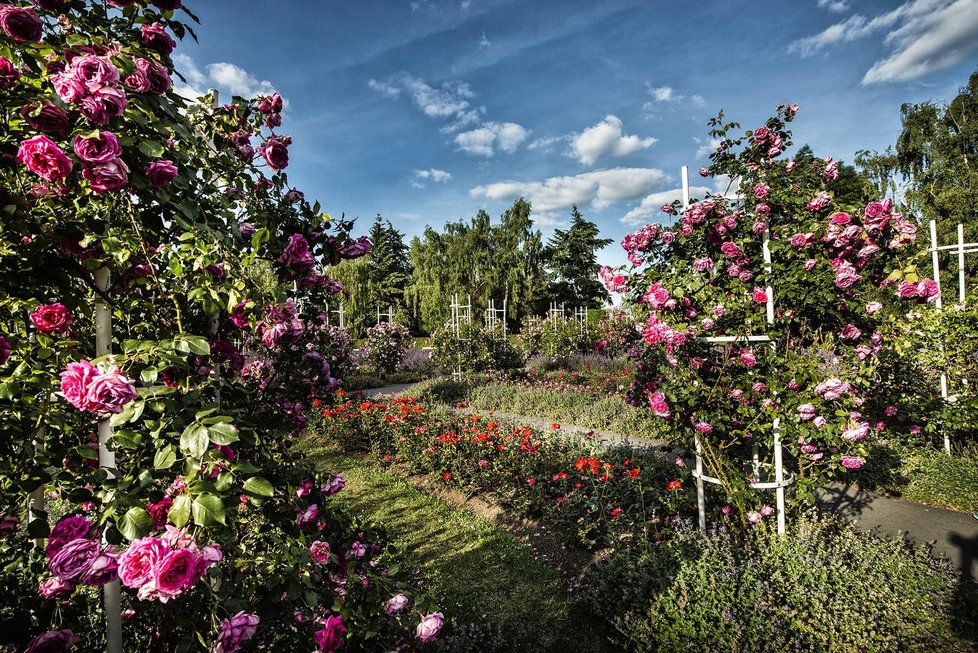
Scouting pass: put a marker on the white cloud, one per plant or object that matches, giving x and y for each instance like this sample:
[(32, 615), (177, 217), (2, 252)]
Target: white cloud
[(707, 148), (384, 88), (449, 101), (606, 137), (834, 6), (228, 78), (667, 95), (548, 142), (598, 188), (923, 36), (491, 137), (663, 94), (484, 42), (434, 174)]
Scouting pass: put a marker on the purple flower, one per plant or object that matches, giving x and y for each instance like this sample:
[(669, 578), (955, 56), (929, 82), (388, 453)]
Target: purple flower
[(335, 484), (320, 551), (852, 462), (296, 255), (234, 632), (74, 559), (161, 173), (430, 626), (330, 637), (55, 641), (66, 530)]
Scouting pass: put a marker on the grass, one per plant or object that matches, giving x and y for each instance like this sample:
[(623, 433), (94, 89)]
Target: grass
[(924, 474), (495, 593)]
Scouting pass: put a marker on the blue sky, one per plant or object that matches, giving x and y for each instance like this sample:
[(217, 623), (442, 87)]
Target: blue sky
[(426, 111)]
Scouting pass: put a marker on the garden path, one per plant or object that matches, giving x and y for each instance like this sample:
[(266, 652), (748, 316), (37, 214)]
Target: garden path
[(951, 534)]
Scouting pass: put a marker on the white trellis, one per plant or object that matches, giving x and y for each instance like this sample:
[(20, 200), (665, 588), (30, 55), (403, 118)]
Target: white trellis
[(580, 314), (495, 318), (340, 314), (389, 315), (781, 481), (960, 248), (461, 314), (555, 314)]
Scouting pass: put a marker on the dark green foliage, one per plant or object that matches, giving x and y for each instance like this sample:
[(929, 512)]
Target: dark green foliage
[(572, 261)]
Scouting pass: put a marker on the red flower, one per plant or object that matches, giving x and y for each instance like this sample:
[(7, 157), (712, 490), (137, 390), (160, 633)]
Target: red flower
[(446, 476), (673, 485), (616, 513), (555, 426), (531, 481), (634, 472)]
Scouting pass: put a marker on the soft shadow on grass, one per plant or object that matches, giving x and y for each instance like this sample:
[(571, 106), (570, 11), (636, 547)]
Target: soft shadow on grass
[(497, 595)]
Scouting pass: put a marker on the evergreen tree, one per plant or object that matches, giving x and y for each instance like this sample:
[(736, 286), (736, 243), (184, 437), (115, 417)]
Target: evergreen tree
[(388, 267), (572, 261)]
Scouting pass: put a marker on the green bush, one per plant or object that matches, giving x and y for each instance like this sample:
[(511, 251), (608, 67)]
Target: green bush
[(824, 587), (555, 338), (474, 349)]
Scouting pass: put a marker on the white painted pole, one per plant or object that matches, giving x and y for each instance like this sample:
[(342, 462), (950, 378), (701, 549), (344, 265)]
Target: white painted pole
[(935, 262), (684, 172), (779, 476), (769, 290), (700, 490), (106, 458), (961, 288)]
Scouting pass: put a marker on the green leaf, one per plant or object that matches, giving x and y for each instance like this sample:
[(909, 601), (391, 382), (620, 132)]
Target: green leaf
[(259, 487), (180, 511), (135, 523), (194, 440), (165, 458), (208, 509), (152, 149), (223, 433)]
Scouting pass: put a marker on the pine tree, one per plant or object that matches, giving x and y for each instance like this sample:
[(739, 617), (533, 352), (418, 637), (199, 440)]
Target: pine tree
[(572, 261)]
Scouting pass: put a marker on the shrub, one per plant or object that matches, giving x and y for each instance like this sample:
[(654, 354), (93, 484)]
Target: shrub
[(386, 345), (556, 338), (474, 349)]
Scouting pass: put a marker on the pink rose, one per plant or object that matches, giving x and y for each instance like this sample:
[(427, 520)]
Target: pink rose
[(94, 72), (160, 511), (819, 422), (806, 412), (103, 569), (52, 319), (395, 604), (55, 641), (54, 587), (149, 77), (762, 208), (44, 158), (74, 559), (761, 190), (856, 432), (704, 172), (296, 255), (235, 631), (101, 148), (759, 295), (66, 530), (275, 152), (330, 637), (320, 551), (430, 626), (270, 103), (8, 74), (156, 38), (852, 462), (841, 218), (747, 358), (907, 290), (175, 572), (819, 202), (767, 511), (136, 564), (850, 332), (730, 249), (761, 134), (308, 517), (790, 166), (21, 23), (703, 427), (161, 173), (801, 240), (108, 102), (75, 381), (109, 391), (832, 389), (105, 177)]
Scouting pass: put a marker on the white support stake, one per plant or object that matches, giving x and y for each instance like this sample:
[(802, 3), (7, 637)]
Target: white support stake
[(779, 476), (685, 175), (766, 249), (961, 288), (700, 490), (106, 458), (935, 262)]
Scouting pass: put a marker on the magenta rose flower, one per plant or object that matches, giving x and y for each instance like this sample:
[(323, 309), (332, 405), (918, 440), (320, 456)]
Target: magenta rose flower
[(55, 587), (46, 117), (21, 23), (149, 77), (55, 641), (75, 381), (136, 564), (52, 319), (356, 248), (155, 37), (104, 569), (105, 177), (5, 350), (74, 559), (832, 389), (275, 152), (806, 412), (66, 530), (429, 627), (175, 572), (160, 511), (106, 103), (335, 484), (8, 74), (308, 517), (330, 637), (110, 391), (296, 255), (100, 148), (44, 158), (161, 173), (94, 72), (320, 551), (235, 631), (852, 462), (759, 295), (395, 604)]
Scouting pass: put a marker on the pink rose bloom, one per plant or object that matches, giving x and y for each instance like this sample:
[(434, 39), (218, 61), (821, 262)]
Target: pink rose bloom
[(136, 564), (761, 135), (305, 488), (806, 412), (395, 604), (430, 626), (8, 74), (846, 275), (160, 511), (703, 427), (110, 391), (852, 462), (105, 177), (718, 311), (763, 208), (703, 264), (55, 641), (801, 240), (296, 255), (320, 551), (907, 290), (45, 116), (929, 289), (841, 218), (104, 569), (856, 432), (730, 249), (161, 173), (704, 172), (707, 324), (107, 102), (235, 631), (44, 158), (747, 358), (94, 72), (758, 227), (890, 411), (156, 38), (873, 307), (74, 559), (275, 152), (754, 517), (831, 172), (761, 190), (819, 202), (52, 319), (819, 422), (850, 332), (54, 587), (810, 264), (75, 381), (68, 86), (790, 166), (175, 572), (831, 389), (308, 517), (767, 511), (20, 23), (915, 429), (330, 637), (101, 148), (759, 295)]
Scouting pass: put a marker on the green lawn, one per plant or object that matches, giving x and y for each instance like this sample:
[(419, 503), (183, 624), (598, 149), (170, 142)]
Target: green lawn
[(497, 595)]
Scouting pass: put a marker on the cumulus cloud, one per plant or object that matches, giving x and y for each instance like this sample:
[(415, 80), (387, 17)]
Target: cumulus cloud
[(663, 94), (835, 6), (492, 137), (922, 36), (707, 148), (228, 78), (604, 138), (433, 174), (598, 188)]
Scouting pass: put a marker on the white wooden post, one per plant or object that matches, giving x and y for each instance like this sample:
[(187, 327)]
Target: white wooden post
[(779, 476), (700, 488), (684, 173), (938, 306), (961, 288), (106, 458)]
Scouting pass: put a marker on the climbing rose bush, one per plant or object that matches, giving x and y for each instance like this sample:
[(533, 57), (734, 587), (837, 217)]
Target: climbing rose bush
[(813, 368)]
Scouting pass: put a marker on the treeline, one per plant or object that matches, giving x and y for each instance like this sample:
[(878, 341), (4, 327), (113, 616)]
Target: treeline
[(505, 262)]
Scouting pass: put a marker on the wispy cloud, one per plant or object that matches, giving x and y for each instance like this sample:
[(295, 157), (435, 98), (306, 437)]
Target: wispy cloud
[(450, 100), (834, 6), (598, 188), (666, 95), (922, 36), (605, 138), (431, 174), (484, 42), (228, 78), (492, 137)]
